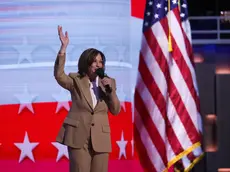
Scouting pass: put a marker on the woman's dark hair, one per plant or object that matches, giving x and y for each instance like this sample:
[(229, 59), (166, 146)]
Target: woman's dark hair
[(87, 58)]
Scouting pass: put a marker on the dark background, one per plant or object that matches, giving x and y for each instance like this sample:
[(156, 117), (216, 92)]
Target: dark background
[(207, 7)]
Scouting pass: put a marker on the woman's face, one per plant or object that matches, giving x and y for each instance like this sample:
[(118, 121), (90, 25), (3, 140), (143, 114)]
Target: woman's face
[(97, 63)]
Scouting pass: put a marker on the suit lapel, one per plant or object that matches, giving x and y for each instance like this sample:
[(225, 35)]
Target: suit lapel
[(84, 86)]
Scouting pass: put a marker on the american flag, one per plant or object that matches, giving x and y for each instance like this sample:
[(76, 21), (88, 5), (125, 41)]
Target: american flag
[(166, 103)]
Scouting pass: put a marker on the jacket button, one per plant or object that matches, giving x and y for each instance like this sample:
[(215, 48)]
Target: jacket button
[(92, 124), (92, 113)]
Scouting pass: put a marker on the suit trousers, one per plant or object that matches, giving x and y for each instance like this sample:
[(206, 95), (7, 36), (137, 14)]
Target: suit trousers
[(87, 160)]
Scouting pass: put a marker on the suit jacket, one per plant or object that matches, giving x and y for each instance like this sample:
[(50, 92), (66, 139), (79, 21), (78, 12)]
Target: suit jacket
[(82, 119)]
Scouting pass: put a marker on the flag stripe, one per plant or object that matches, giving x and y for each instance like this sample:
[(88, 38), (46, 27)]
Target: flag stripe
[(177, 33), (147, 142), (166, 93), (159, 77), (178, 57), (161, 104), (144, 158), (151, 106), (153, 67), (163, 40), (173, 92), (186, 73), (185, 48), (187, 39), (151, 128)]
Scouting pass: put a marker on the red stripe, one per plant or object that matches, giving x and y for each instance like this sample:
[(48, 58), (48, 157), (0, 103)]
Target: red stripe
[(191, 156), (183, 114), (188, 47), (150, 127), (142, 152), (161, 104), (173, 92), (182, 65), (157, 53), (186, 40), (185, 71), (164, 23)]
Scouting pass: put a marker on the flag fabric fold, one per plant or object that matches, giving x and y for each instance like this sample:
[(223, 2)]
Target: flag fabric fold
[(167, 128)]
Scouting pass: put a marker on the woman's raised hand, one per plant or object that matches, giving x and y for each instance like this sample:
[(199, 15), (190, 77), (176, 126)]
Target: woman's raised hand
[(64, 38)]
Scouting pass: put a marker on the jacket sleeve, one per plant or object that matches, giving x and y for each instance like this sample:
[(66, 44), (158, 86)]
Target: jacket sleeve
[(113, 101), (63, 80)]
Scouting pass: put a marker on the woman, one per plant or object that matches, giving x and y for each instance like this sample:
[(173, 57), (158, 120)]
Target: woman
[(86, 129)]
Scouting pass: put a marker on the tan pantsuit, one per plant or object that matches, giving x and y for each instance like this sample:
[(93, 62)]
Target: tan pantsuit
[(87, 160), (86, 129)]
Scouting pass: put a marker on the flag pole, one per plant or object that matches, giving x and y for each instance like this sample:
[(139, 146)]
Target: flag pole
[(179, 5), (169, 20)]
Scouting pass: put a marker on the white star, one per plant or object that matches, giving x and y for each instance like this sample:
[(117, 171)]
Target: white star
[(146, 23), (25, 100), (156, 16), (150, 3), (122, 96), (166, 8), (158, 5), (148, 13), (25, 51), (62, 151), (174, 1), (26, 148), (184, 5), (182, 15), (63, 99), (122, 146)]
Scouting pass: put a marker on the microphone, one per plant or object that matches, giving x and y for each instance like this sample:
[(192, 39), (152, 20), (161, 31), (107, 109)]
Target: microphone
[(101, 73)]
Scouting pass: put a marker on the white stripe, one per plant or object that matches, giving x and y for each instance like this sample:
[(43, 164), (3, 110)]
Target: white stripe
[(154, 67), (185, 93), (163, 42), (170, 152), (151, 150), (176, 76), (177, 33), (152, 108), (51, 64), (159, 78), (198, 151), (187, 29), (179, 38), (162, 39), (186, 162), (158, 120), (178, 127)]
